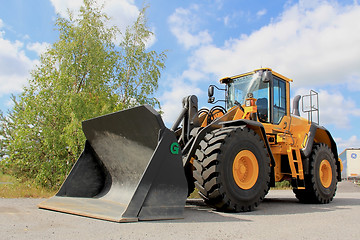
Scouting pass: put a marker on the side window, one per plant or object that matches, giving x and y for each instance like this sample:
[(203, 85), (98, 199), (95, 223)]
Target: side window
[(279, 100), (263, 102)]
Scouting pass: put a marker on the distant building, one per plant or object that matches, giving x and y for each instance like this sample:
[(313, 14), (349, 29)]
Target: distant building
[(351, 160)]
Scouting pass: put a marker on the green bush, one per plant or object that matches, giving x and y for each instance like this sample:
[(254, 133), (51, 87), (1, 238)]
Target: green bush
[(283, 185)]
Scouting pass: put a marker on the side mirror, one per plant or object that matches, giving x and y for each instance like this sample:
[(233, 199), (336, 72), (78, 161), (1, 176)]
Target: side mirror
[(211, 94), (211, 91), (267, 76)]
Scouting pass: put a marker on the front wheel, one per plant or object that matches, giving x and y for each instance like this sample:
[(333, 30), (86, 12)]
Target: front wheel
[(232, 169), (321, 183)]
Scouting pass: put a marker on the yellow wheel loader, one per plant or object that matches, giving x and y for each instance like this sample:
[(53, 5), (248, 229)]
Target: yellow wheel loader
[(134, 168)]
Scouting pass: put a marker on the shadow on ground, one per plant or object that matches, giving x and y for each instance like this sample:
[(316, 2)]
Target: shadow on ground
[(278, 202)]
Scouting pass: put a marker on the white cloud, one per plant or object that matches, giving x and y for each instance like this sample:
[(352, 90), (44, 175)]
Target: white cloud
[(337, 110), (14, 65), (193, 75), (124, 13), (121, 12), (61, 6), (334, 108), (261, 12), (354, 82), (314, 45), (226, 20), (183, 24), (172, 99), (352, 142), (38, 48)]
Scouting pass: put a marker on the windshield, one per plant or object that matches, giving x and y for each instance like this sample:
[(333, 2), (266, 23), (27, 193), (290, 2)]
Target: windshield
[(240, 87)]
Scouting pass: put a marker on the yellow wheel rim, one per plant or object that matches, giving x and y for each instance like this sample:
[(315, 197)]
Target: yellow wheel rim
[(245, 169), (325, 173)]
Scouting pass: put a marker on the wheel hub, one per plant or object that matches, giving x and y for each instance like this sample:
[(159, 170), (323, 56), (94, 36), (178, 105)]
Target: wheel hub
[(325, 173), (245, 169)]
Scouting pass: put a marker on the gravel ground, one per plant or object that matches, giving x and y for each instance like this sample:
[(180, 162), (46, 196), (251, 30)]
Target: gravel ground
[(280, 216)]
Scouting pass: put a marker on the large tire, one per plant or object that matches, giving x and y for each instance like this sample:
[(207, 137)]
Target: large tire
[(321, 183), (232, 169)]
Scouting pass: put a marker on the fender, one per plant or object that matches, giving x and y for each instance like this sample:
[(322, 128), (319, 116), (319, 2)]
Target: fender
[(258, 128), (319, 134)]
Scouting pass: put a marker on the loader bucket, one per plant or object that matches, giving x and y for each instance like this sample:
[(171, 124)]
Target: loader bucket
[(131, 169)]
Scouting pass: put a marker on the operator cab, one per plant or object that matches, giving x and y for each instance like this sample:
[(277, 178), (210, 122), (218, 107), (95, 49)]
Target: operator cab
[(268, 88)]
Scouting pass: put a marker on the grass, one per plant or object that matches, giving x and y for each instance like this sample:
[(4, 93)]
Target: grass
[(195, 194), (284, 185), (10, 187), (6, 178)]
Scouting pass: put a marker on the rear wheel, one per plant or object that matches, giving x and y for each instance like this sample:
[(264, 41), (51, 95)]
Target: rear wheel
[(321, 183), (232, 169)]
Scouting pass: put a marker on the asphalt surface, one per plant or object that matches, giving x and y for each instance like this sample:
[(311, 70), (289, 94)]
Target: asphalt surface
[(280, 216)]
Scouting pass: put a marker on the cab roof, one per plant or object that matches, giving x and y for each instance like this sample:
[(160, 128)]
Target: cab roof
[(228, 79)]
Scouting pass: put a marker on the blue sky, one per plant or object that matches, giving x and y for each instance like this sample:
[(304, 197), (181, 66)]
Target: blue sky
[(315, 43)]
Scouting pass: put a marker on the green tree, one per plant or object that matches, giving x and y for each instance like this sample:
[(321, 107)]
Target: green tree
[(82, 75), (138, 71)]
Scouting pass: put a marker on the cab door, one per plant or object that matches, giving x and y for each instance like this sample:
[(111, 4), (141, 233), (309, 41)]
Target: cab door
[(279, 102)]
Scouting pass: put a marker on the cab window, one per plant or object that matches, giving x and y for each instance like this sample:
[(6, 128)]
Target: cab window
[(279, 100)]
